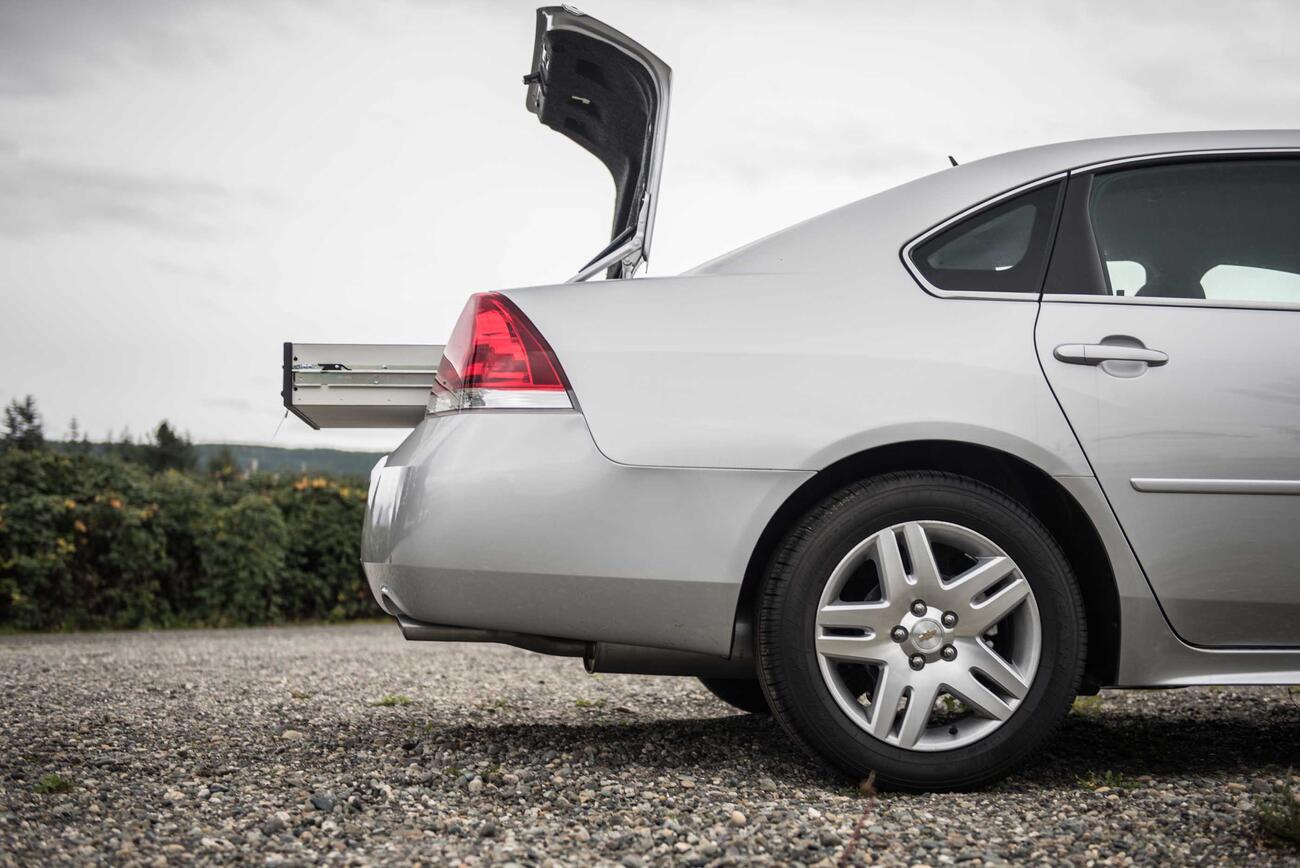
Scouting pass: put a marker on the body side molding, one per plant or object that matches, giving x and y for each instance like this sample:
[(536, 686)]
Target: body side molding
[(1217, 486)]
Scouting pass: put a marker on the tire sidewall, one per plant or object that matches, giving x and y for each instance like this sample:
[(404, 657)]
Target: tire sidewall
[(786, 643)]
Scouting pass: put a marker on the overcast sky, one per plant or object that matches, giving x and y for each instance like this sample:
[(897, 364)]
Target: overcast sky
[(183, 186)]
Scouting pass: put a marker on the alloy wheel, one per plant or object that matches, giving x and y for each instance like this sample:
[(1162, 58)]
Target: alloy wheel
[(928, 635)]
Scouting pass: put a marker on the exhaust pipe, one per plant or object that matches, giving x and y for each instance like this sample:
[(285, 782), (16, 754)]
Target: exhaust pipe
[(418, 631)]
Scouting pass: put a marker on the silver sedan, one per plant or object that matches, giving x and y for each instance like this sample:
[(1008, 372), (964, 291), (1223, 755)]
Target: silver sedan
[(910, 475)]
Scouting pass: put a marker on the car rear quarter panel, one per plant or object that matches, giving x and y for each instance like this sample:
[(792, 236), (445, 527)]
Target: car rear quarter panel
[(795, 371)]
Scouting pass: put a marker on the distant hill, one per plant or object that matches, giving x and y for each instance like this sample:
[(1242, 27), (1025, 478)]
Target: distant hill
[(276, 459)]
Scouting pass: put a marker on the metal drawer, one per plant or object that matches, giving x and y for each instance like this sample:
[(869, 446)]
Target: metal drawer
[(359, 385)]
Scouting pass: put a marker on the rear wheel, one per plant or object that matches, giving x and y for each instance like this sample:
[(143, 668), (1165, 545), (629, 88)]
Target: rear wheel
[(923, 626), (743, 693)]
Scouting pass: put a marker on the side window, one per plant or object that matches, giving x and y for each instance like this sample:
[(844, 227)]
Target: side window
[(1222, 230), (1000, 249)]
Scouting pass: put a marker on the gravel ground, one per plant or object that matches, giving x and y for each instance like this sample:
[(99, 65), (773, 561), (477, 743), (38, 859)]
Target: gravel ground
[(277, 744)]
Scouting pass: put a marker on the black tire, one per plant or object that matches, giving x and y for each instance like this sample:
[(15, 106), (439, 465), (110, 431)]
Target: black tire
[(788, 668), (743, 693)]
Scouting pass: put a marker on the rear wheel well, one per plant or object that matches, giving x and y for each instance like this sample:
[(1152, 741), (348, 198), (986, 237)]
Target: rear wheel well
[(1038, 492)]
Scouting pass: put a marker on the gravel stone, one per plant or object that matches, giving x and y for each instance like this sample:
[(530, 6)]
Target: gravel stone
[(177, 749), (323, 801)]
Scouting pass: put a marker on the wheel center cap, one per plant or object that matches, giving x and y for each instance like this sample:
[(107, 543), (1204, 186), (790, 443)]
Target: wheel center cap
[(927, 635)]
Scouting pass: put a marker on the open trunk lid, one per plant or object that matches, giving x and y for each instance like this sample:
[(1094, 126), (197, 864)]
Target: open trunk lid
[(609, 94)]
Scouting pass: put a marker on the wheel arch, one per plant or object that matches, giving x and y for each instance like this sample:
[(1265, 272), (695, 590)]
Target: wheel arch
[(1046, 498)]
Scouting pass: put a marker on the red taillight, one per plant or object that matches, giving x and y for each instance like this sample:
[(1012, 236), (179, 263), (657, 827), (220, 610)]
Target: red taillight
[(495, 357)]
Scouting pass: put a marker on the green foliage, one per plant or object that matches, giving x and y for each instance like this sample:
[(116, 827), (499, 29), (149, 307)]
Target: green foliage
[(90, 541), (168, 450), (23, 429), (223, 463), (164, 449), (76, 441), (241, 557), (1087, 706), (1279, 813), (324, 522), (50, 784), (391, 700)]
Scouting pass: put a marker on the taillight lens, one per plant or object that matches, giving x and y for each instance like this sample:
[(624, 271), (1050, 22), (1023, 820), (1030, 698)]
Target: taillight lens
[(495, 357)]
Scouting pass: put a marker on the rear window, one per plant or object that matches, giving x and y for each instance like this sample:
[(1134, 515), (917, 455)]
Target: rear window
[(1000, 249)]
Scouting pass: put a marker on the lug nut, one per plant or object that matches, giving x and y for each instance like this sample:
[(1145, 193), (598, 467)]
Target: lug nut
[(918, 608), (917, 662), (949, 619), (898, 634), (948, 653)]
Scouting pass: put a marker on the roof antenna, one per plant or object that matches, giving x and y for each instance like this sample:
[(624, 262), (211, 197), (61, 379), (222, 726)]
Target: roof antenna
[(952, 159)]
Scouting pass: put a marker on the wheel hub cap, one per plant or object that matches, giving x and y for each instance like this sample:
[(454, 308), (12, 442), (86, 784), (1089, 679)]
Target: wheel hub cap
[(927, 636)]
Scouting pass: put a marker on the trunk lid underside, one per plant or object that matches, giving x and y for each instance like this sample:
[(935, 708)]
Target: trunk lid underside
[(609, 94)]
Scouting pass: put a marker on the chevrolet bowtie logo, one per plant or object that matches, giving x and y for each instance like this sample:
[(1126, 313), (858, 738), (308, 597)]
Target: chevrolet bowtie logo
[(927, 635)]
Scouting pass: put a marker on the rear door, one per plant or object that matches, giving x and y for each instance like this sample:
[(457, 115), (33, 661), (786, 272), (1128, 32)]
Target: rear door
[(1170, 334)]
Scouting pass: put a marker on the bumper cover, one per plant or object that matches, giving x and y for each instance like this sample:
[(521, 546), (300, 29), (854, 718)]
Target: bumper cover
[(515, 521)]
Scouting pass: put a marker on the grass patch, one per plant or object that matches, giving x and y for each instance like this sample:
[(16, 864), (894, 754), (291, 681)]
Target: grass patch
[(298, 694), (1109, 779), (1279, 813), (1086, 706), (589, 703), (50, 784), (391, 700)]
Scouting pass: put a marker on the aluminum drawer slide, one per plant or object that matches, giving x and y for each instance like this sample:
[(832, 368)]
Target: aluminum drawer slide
[(359, 385)]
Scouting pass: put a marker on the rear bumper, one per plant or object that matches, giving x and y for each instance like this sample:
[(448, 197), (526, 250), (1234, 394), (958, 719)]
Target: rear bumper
[(515, 521)]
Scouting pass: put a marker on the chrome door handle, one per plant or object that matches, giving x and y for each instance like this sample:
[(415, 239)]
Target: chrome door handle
[(1095, 354)]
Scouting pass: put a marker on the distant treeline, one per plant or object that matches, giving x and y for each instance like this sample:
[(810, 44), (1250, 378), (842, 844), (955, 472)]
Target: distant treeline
[(276, 459), (142, 534), (164, 448)]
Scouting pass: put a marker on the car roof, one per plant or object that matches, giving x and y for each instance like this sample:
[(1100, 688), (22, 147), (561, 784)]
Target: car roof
[(881, 224)]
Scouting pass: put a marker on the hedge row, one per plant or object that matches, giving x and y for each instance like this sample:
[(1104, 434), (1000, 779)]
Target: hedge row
[(93, 542)]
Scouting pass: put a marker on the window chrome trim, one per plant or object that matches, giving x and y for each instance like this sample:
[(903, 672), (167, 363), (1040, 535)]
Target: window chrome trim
[(906, 252), (1157, 301), (1177, 155)]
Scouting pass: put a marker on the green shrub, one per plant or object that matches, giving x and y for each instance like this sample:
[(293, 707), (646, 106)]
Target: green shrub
[(89, 541), (241, 556), (185, 507), (117, 564), (323, 576)]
